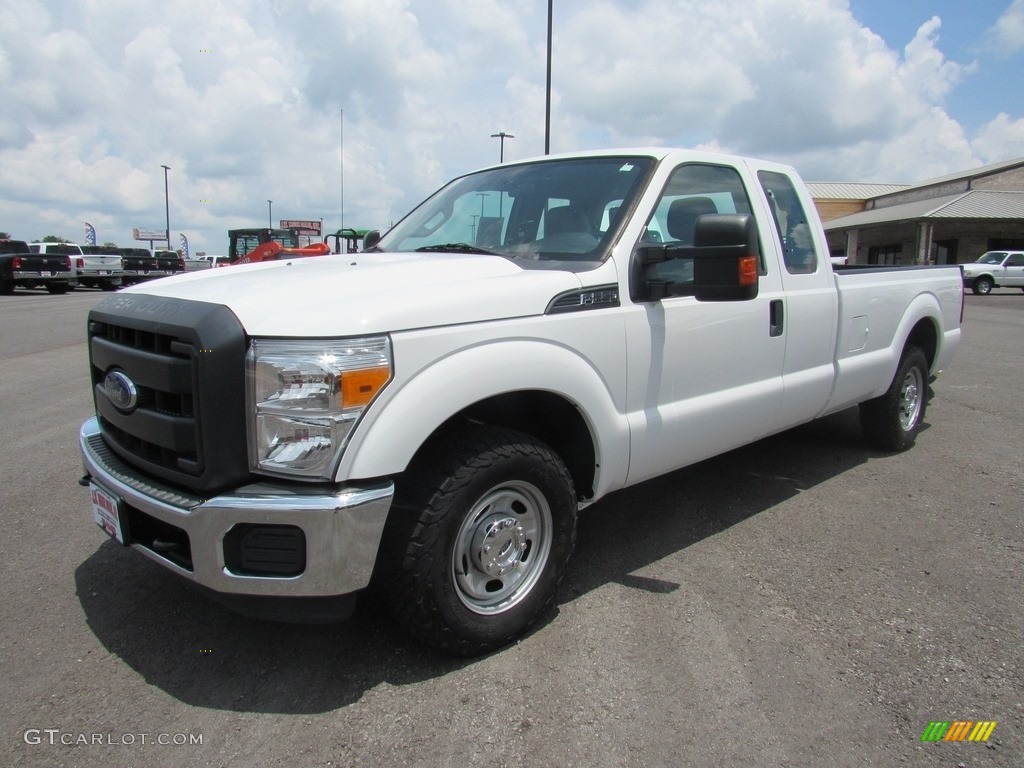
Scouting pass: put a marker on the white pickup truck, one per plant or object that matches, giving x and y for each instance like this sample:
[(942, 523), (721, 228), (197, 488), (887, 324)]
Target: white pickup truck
[(428, 417), (995, 269)]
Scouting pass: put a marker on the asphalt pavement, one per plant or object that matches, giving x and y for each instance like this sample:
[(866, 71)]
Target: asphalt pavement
[(803, 601)]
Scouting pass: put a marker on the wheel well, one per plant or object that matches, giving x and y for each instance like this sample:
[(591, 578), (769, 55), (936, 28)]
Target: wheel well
[(544, 415), (925, 337)]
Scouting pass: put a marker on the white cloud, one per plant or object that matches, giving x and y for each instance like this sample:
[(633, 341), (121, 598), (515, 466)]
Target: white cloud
[(1007, 33), (242, 99), (999, 139)]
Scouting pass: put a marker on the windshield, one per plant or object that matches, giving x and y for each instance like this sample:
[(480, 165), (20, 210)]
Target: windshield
[(550, 210), (992, 257)]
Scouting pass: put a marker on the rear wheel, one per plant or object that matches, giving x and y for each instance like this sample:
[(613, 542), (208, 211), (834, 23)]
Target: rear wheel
[(982, 286), (6, 287), (57, 287), (478, 540), (891, 422)]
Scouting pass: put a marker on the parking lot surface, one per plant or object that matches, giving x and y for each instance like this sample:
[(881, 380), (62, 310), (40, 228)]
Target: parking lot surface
[(802, 601)]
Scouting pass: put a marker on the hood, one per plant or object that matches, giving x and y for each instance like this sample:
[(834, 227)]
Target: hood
[(365, 293)]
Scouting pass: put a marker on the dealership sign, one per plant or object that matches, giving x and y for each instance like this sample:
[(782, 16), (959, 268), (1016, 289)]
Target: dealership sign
[(149, 234), (304, 227)]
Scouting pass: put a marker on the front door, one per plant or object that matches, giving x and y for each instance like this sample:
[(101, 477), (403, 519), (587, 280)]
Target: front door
[(704, 377)]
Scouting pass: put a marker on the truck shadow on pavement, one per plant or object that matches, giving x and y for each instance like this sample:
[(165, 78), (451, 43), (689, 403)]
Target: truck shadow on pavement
[(207, 656)]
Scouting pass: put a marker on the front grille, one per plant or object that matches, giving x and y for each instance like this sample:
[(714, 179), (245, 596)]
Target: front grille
[(185, 361)]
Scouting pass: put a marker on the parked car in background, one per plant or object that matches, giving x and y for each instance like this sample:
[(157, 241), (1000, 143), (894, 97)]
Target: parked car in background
[(206, 262), (92, 270), (170, 261), (19, 266), (110, 251), (142, 264), (995, 269)]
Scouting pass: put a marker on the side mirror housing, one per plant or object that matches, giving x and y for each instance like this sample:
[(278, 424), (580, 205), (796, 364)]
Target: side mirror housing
[(725, 258), (370, 239), (726, 255)]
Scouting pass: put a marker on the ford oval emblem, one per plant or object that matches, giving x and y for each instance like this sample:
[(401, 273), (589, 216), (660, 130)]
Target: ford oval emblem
[(121, 391)]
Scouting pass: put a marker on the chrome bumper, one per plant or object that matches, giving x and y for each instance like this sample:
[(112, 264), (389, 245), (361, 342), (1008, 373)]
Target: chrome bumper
[(37, 275), (342, 525)]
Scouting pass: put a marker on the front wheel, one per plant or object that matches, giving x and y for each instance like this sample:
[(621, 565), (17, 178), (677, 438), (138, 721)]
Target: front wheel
[(891, 422), (982, 286), (478, 540)]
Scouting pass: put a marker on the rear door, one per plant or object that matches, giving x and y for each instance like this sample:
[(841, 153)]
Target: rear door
[(808, 310)]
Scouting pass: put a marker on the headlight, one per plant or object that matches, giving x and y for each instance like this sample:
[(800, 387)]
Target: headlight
[(305, 397)]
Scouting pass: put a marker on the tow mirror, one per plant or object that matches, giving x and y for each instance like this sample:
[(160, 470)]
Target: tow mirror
[(726, 254), (725, 257)]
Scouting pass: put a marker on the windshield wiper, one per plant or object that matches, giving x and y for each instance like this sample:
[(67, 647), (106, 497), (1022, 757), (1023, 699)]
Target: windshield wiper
[(456, 248)]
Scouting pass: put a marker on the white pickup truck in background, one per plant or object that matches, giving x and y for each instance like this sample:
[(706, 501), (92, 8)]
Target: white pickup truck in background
[(995, 269), (430, 415), (205, 262), (88, 270)]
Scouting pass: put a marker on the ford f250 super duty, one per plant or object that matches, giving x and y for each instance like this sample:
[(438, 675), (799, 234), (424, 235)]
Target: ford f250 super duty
[(428, 417)]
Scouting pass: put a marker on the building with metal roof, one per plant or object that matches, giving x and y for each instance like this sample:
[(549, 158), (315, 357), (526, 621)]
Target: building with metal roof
[(946, 220)]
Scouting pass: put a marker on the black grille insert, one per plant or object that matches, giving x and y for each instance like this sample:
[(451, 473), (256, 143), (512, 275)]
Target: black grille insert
[(186, 361), (265, 550)]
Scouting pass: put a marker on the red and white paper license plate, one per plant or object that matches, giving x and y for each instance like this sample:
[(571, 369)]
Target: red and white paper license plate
[(106, 511)]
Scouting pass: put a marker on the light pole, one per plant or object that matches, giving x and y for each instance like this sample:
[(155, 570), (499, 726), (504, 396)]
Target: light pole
[(270, 213), (547, 108), (167, 208), (501, 136)]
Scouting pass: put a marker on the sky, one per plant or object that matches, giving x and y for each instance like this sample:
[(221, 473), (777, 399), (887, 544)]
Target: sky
[(353, 111)]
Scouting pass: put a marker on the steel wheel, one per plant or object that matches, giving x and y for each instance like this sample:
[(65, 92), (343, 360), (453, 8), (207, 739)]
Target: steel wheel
[(891, 422), (502, 547), (477, 539), (911, 392), (983, 286)]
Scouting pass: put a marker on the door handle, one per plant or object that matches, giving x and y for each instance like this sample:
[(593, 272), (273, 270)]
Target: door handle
[(776, 315)]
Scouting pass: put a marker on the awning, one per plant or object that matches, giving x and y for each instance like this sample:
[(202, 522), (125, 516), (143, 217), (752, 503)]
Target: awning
[(976, 204)]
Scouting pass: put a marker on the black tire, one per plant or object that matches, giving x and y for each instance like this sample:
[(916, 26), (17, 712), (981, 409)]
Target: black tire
[(6, 287), (982, 286), (57, 287), (478, 540), (109, 285), (891, 422)]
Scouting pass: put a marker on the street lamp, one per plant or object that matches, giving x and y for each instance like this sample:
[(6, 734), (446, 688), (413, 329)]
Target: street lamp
[(167, 208), (270, 213), (501, 136)]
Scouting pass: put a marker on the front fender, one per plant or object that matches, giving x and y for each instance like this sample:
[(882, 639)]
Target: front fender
[(414, 408)]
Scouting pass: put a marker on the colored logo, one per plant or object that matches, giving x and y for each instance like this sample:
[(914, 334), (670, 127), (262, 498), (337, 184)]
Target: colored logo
[(959, 730), (121, 391)]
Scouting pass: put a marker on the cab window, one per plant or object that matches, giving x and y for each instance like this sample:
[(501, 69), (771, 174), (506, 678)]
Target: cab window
[(791, 222), (692, 191)]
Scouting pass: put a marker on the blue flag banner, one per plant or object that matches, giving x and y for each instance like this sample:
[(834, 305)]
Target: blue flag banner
[(184, 244), (90, 234)]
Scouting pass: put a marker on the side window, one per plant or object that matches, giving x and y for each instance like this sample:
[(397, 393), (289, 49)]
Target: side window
[(692, 190), (791, 222), (1015, 260)]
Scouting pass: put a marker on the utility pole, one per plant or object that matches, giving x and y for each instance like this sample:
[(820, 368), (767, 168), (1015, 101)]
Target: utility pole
[(167, 208), (547, 110)]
